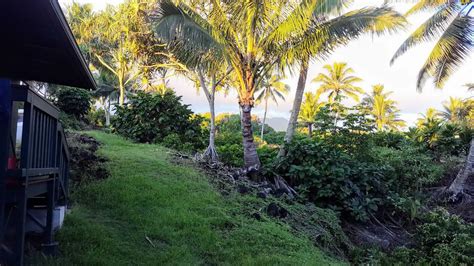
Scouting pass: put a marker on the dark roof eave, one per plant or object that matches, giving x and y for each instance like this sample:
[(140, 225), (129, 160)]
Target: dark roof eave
[(59, 13)]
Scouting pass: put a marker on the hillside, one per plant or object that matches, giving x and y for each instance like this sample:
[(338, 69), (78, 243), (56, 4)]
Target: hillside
[(153, 212)]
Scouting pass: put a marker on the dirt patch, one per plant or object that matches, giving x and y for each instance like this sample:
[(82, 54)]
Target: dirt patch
[(86, 164)]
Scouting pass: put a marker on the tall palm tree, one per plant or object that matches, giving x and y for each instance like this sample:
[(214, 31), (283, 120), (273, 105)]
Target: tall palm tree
[(255, 36), (452, 27), (325, 10), (383, 109), (272, 89), (211, 81), (339, 82), (309, 109), (118, 40)]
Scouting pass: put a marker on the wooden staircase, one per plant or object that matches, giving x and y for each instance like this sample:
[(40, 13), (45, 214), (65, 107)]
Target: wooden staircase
[(36, 180)]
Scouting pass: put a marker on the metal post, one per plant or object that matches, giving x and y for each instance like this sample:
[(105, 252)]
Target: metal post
[(5, 123)]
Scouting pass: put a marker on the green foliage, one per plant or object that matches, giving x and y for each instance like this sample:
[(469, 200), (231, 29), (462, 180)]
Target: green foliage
[(390, 139), (267, 154), (151, 118), (408, 169), (231, 154), (231, 123), (328, 176), (96, 117), (226, 137), (74, 101), (442, 239), (443, 139), (173, 141), (156, 212), (70, 122), (276, 138), (349, 168)]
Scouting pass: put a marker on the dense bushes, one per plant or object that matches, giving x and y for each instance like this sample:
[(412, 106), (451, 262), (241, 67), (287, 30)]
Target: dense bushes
[(355, 183), (74, 101), (407, 169), (330, 177), (441, 239), (442, 139), (159, 118)]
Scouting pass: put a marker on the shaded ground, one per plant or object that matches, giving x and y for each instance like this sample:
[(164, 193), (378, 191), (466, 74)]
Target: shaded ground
[(151, 212)]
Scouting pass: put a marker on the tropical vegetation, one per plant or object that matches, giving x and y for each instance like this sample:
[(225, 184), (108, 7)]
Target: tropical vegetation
[(348, 179)]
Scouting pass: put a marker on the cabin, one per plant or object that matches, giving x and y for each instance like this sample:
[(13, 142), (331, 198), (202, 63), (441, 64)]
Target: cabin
[(36, 44)]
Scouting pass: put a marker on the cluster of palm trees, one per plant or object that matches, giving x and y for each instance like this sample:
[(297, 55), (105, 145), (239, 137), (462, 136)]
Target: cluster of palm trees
[(256, 39), (339, 83), (455, 111), (248, 46)]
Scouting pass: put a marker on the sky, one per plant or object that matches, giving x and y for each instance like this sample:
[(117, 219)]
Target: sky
[(369, 57)]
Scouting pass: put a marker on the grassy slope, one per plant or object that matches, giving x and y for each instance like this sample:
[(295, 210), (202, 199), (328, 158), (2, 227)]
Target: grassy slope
[(177, 209)]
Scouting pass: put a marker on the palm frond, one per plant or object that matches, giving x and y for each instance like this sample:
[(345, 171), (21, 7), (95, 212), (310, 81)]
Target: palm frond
[(187, 34), (429, 30), (423, 5), (326, 37), (330, 7), (453, 47)]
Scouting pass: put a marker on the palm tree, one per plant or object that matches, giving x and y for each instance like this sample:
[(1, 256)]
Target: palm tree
[(339, 82), (324, 10), (211, 81), (452, 27), (431, 117), (117, 40), (383, 109), (272, 88), (309, 109), (455, 110), (254, 37)]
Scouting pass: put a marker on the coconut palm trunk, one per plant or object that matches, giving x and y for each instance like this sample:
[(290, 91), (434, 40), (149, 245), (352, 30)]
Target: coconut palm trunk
[(211, 150), (210, 93), (310, 129), (250, 151), (246, 33), (107, 112), (457, 187), (121, 91), (264, 118), (290, 131)]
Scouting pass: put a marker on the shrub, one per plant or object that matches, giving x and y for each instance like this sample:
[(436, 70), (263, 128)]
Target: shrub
[(275, 138), (74, 101), (391, 139), (328, 176), (443, 139), (231, 154), (96, 117), (226, 138), (442, 239), (70, 122), (148, 118), (267, 154), (173, 141), (408, 169)]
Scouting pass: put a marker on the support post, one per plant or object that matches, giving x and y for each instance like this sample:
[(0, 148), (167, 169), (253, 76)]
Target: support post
[(5, 123)]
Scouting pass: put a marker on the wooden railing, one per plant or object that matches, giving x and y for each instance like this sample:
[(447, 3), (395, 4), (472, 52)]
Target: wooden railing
[(37, 175)]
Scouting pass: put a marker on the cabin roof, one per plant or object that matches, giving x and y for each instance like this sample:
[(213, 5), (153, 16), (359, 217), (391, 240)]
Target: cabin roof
[(36, 43)]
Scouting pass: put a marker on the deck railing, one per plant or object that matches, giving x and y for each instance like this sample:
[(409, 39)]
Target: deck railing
[(36, 180)]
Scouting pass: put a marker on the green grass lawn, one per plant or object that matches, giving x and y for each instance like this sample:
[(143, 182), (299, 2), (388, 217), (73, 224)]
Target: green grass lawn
[(175, 207)]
